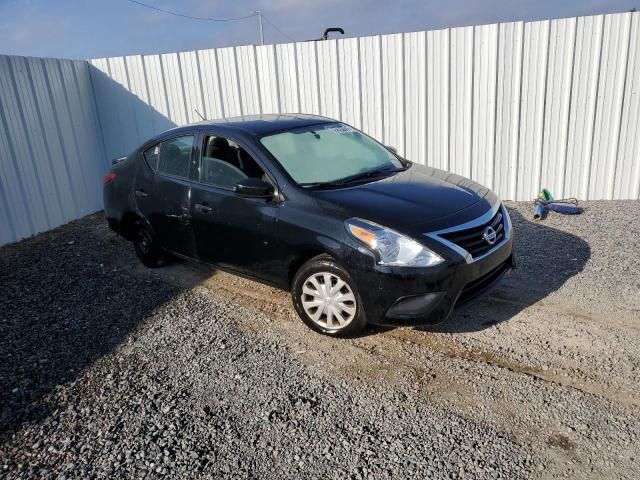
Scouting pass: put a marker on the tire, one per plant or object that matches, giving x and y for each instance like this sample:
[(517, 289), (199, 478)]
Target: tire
[(146, 246), (336, 312)]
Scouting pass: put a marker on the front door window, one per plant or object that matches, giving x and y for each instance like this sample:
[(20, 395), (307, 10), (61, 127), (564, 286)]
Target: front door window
[(224, 163)]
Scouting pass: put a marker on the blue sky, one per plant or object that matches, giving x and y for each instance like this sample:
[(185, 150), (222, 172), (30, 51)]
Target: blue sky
[(98, 28)]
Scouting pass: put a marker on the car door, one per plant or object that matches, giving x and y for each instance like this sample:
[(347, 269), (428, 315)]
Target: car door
[(231, 230), (163, 193)]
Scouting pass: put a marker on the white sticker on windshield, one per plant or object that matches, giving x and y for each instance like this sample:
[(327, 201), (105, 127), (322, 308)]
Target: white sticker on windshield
[(341, 130)]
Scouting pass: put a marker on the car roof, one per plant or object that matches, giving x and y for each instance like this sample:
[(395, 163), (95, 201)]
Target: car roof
[(254, 125)]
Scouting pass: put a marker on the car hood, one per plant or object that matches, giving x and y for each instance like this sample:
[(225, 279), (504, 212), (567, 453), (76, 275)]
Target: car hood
[(417, 199)]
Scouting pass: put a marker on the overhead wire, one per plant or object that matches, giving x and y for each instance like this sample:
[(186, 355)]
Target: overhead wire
[(276, 27), (191, 17), (211, 19)]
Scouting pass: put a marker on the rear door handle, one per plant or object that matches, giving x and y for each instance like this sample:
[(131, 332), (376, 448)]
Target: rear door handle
[(184, 216), (203, 208), (141, 193)]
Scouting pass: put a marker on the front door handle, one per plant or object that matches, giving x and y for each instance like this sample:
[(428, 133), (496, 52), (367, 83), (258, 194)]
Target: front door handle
[(141, 193), (203, 208)]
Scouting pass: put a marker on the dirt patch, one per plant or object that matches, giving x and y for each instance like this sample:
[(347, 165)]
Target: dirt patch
[(364, 361), (560, 441)]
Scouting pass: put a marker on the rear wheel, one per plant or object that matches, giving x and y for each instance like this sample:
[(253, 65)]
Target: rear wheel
[(326, 298), (146, 246)]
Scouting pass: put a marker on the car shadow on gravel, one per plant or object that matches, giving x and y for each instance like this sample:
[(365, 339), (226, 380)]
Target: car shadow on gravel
[(68, 297), (545, 259)]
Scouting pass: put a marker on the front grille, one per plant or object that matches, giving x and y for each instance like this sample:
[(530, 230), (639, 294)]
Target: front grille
[(482, 284), (472, 240)]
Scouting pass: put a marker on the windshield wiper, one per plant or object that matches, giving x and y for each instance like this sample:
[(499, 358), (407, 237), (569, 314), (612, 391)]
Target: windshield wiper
[(368, 174), (353, 178), (316, 184)]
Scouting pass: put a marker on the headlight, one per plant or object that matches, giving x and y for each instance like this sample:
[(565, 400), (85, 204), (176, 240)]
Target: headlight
[(392, 247)]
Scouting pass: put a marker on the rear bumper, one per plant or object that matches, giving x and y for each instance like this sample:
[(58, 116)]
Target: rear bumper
[(426, 296)]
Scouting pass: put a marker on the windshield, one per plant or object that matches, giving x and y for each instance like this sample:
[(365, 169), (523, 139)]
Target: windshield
[(328, 153)]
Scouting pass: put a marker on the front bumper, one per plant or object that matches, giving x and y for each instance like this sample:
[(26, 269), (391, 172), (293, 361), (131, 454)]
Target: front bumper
[(426, 296)]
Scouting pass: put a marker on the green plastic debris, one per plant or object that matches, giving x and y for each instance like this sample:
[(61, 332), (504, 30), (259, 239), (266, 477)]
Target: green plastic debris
[(546, 195)]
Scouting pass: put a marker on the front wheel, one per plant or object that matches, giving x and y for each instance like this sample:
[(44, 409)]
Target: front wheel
[(327, 299)]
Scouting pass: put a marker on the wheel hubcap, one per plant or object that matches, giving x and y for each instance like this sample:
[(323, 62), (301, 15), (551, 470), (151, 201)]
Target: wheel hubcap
[(144, 241), (328, 300)]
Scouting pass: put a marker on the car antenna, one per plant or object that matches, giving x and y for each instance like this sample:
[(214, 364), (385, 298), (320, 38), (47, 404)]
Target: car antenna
[(200, 115)]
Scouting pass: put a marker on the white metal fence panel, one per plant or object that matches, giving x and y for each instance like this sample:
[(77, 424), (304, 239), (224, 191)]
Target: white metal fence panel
[(461, 100), (586, 67), (611, 81), (562, 37), (51, 149), (327, 80), (393, 91), (627, 180), (371, 85), (508, 94), (417, 137), (484, 103), (515, 106)]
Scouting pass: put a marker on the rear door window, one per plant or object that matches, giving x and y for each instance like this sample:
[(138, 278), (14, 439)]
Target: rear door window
[(175, 156)]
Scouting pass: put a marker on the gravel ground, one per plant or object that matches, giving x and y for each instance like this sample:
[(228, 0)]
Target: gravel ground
[(112, 370)]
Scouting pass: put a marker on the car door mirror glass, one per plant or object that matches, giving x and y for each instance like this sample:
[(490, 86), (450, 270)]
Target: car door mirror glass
[(254, 187)]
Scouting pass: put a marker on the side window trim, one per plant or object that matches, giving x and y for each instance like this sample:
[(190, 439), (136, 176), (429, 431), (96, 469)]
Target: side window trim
[(196, 160)]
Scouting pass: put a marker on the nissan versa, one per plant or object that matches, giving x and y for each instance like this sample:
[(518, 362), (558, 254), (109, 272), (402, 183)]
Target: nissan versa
[(356, 233)]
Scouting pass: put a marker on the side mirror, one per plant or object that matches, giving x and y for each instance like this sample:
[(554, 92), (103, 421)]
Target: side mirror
[(393, 149), (253, 187)]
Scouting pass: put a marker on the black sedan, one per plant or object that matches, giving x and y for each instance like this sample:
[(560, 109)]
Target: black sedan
[(308, 204)]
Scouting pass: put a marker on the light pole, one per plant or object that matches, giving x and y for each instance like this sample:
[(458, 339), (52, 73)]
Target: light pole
[(259, 13)]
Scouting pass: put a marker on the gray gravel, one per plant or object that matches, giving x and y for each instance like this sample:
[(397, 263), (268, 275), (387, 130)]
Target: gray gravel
[(109, 369)]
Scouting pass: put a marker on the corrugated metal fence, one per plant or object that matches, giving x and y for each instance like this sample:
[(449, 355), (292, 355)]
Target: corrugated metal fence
[(515, 106), (51, 152)]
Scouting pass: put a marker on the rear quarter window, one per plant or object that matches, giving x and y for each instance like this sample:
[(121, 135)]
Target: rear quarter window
[(151, 156)]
